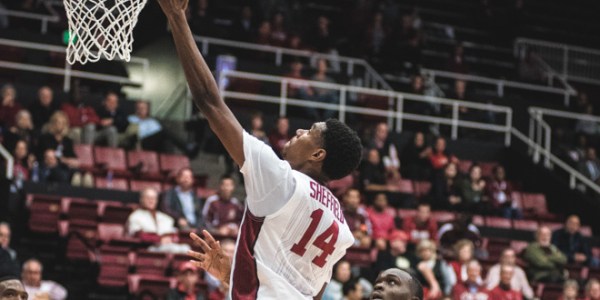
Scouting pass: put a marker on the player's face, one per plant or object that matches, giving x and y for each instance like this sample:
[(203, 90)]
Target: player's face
[(12, 290), (392, 284), (304, 145)]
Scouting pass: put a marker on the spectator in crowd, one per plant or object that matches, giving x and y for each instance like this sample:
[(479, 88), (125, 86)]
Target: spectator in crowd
[(298, 89), (324, 95), (472, 190), (38, 288), (112, 121), (56, 139), (22, 130), (440, 157), (320, 37), (357, 218), (12, 288), (456, 62), (352, 290), (518, 280), (244, 28), (461, 228), (592, 290), (590, 166), (375, 37), (570, 290), (571, 243), (153, 226), (577, 153), (201, 21), (530, 67), (382, 219), (414, 160), (372, 173), (445, 188), (9, 106), (5, 235), (422, 226), (52, 170), (181, 202), (396, 255), (342, 273), (222, 212), (43, 108), (581, 102), (504, 290), (187, 280), (435, 274), (256, 127), (264, 33), (82, 119), (587, 127), (280, 136), (499, 191), (545, 262), (388, 152), (470, 288), (278, 31), (464, 251)]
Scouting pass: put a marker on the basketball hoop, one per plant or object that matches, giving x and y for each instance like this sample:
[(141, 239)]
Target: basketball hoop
[(101, 29)]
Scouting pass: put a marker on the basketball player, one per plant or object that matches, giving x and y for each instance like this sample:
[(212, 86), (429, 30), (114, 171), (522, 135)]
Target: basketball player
[(293, 229)]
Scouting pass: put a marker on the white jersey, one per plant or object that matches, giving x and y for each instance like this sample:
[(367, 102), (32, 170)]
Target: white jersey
[(292, 233)]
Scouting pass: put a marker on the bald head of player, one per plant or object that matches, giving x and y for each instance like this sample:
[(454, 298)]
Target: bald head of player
[(328, 150), (395, 284)]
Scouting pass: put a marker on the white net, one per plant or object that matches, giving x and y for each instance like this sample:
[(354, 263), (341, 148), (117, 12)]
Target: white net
[(101, 29)]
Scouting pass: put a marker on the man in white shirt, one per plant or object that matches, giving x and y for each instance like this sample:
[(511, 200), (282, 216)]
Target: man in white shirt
[(519, 280), (38, 288), (293, 229)]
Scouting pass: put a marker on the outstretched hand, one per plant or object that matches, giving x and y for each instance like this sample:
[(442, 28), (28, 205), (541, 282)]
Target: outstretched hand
[(213, 260), (173, 6)]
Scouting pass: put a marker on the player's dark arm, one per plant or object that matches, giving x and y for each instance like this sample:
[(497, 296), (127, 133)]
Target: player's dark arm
[(201, 81), (320, 295)]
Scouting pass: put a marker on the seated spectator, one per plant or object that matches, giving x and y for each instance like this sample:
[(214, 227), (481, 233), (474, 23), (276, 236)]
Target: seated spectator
[(372, 173), (590, 166), (278, 31), (472, 191), (181, 202), (256, 127), (23, 163), (577, 152), (382, 220), (388, 152), (21, 131), (153, 226), (43, 108), (320, 37), (375, 37), (222, 212), (9, 106), (395, 256), (342, 273), (38, 288), (112, 121), (422, 226), (82, 119), (414, 160), (357, 218), (324, 95), (504, 289), (280, 136), (587, 127), (435, 275), (440, 157), (352, 290), (456, 62), (470, 288), (188, 277), (571, 243), (570, 290), (5, 234), (461, 228), (592, 290), (52, 170), (200, 19), (464, 251), (244, 28), (499, 191), (518, 280), (545, 262), (264, 33), (445, 189), (530, 67)]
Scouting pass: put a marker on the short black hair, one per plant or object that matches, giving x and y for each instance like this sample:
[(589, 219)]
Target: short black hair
[(349, 286), (344, 149), (415, 287)]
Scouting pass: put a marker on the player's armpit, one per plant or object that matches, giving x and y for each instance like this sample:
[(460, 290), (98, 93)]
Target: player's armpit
[(320, 295)]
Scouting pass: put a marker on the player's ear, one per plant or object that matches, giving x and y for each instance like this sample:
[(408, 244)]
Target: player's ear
[(318, 155)]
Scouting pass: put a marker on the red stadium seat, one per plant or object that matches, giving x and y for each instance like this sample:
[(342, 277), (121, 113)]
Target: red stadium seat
[(115, 184), (115, 212), (81, 241), (44, 213), (478, 221), (497, 222), (138, 185), (586, 231), (109, 231), (405, 186), (148, 160), (112, 159), (81, 210), (534, 205), (172, 163), (518, 246), (85, 156), (551, 291), (114, 267), (443, 216), (464, 166), (527, 225), (151, 263), (553, 225), (487, 168), (340, 186), (154, 287), (407, 213), (374, 102), (422, 188)]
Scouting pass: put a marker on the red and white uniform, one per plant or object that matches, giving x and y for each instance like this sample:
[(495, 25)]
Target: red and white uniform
[(292, 234)]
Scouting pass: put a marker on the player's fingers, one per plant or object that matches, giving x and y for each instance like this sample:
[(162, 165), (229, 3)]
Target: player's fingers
[(198, 241), (210, 239), (196, 255)]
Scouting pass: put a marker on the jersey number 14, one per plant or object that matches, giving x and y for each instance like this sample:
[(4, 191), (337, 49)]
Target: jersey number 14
[(325, 241)]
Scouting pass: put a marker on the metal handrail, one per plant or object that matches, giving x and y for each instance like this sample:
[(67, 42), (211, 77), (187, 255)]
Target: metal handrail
[(371, 74), (396, 100), (53, 18), (9, 162)]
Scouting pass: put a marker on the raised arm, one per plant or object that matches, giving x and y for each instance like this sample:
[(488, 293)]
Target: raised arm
[(201, 81)]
